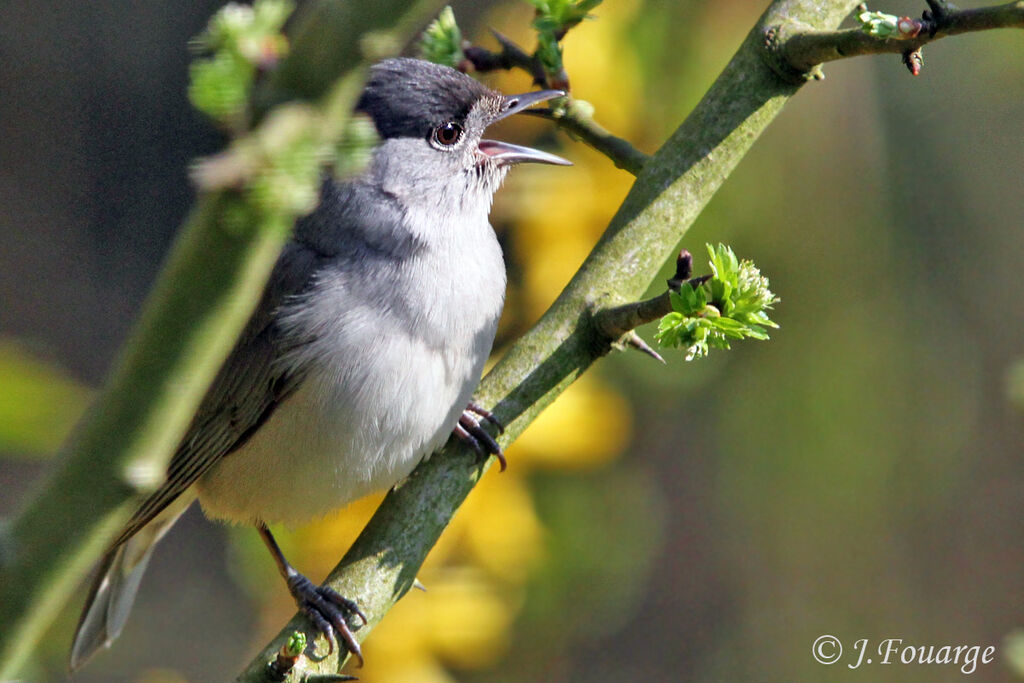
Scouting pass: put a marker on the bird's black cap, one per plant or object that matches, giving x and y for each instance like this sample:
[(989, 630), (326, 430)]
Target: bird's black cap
[(410, 97)]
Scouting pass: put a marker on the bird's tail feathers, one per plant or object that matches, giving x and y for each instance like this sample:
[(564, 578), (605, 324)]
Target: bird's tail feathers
[(116, 584)]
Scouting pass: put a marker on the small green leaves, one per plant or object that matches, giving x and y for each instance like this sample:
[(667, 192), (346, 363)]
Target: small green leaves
[(554, 18), (296, 644), (729, 305), (289, 154), (549, 52), (878, 24), (355, 147), (277, 167), (278, 164), (242, 39), (558, 16), (882, 25), (442, 40)]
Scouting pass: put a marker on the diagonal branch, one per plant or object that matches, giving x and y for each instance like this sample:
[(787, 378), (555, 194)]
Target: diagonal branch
[(803, 48)]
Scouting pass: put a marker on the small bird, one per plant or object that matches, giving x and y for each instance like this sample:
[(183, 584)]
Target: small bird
[(364, 351)]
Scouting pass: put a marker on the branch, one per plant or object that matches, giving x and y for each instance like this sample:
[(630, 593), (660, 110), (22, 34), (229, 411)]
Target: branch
[(579, 125), (203, 297), (622, 153), (669, 193), (801, 49), (617, 321), (511, 57)]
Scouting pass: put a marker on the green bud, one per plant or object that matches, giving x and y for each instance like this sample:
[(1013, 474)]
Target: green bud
[(879, 24), (731, 304), (442, 40), (296, 644)]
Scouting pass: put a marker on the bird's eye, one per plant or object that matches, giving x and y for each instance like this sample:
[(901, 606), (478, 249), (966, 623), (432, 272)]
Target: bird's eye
[(447, 134)]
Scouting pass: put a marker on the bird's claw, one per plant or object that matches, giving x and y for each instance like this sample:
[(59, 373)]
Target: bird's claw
[(329, 611), (474, 407), (472, 432)]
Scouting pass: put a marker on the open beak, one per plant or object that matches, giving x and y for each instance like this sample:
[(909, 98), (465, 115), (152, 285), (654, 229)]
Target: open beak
[(507, 153)]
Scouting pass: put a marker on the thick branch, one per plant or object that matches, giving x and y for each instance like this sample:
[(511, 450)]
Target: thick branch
[(671, 190), (204, 295), (804, 49)]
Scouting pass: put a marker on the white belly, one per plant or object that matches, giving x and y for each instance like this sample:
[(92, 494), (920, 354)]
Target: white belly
[(339, 438), (376, 398)]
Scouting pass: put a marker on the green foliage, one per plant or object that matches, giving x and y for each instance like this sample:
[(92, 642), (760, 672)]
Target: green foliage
[(442, 40), (242, 39), (289, 152), (878, 24), (549, 52), (277, 164), (355, 147), (558, 16), (729, 305), (296, 644), (554, 18)]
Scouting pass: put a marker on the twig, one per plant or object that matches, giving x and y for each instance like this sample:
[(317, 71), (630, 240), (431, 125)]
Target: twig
[(511, 57), (802, 50), (617, 321), (621, 152)]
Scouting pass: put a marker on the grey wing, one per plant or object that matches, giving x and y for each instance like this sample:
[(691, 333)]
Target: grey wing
[(244, 393)]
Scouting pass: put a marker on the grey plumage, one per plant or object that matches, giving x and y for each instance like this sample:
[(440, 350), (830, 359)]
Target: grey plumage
[(368, 340)]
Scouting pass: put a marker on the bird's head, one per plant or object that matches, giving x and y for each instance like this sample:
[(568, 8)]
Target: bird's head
[(431, 120)]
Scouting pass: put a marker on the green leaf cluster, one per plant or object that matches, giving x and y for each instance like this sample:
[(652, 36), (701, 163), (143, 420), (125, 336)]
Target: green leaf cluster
[(289, 152), (730, 305), (296, 644), (355, 146), (554, 18), (879, 24), (240, 40), (558, 16), (442, 40)]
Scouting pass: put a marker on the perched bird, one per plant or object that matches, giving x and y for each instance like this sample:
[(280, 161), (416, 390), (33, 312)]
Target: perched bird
[(364, 351)]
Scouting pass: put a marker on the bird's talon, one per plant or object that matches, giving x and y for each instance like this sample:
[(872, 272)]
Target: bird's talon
[(329, 612), (474, 407), (469, 430)]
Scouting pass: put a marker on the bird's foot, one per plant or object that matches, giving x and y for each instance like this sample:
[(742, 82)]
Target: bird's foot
[(477, 409), (472, 432), (328, 611)]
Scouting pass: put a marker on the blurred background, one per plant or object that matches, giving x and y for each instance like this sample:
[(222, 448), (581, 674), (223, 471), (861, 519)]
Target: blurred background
[(859, 475)]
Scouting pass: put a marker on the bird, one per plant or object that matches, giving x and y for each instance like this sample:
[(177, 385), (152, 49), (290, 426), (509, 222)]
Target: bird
[(363, 353)]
